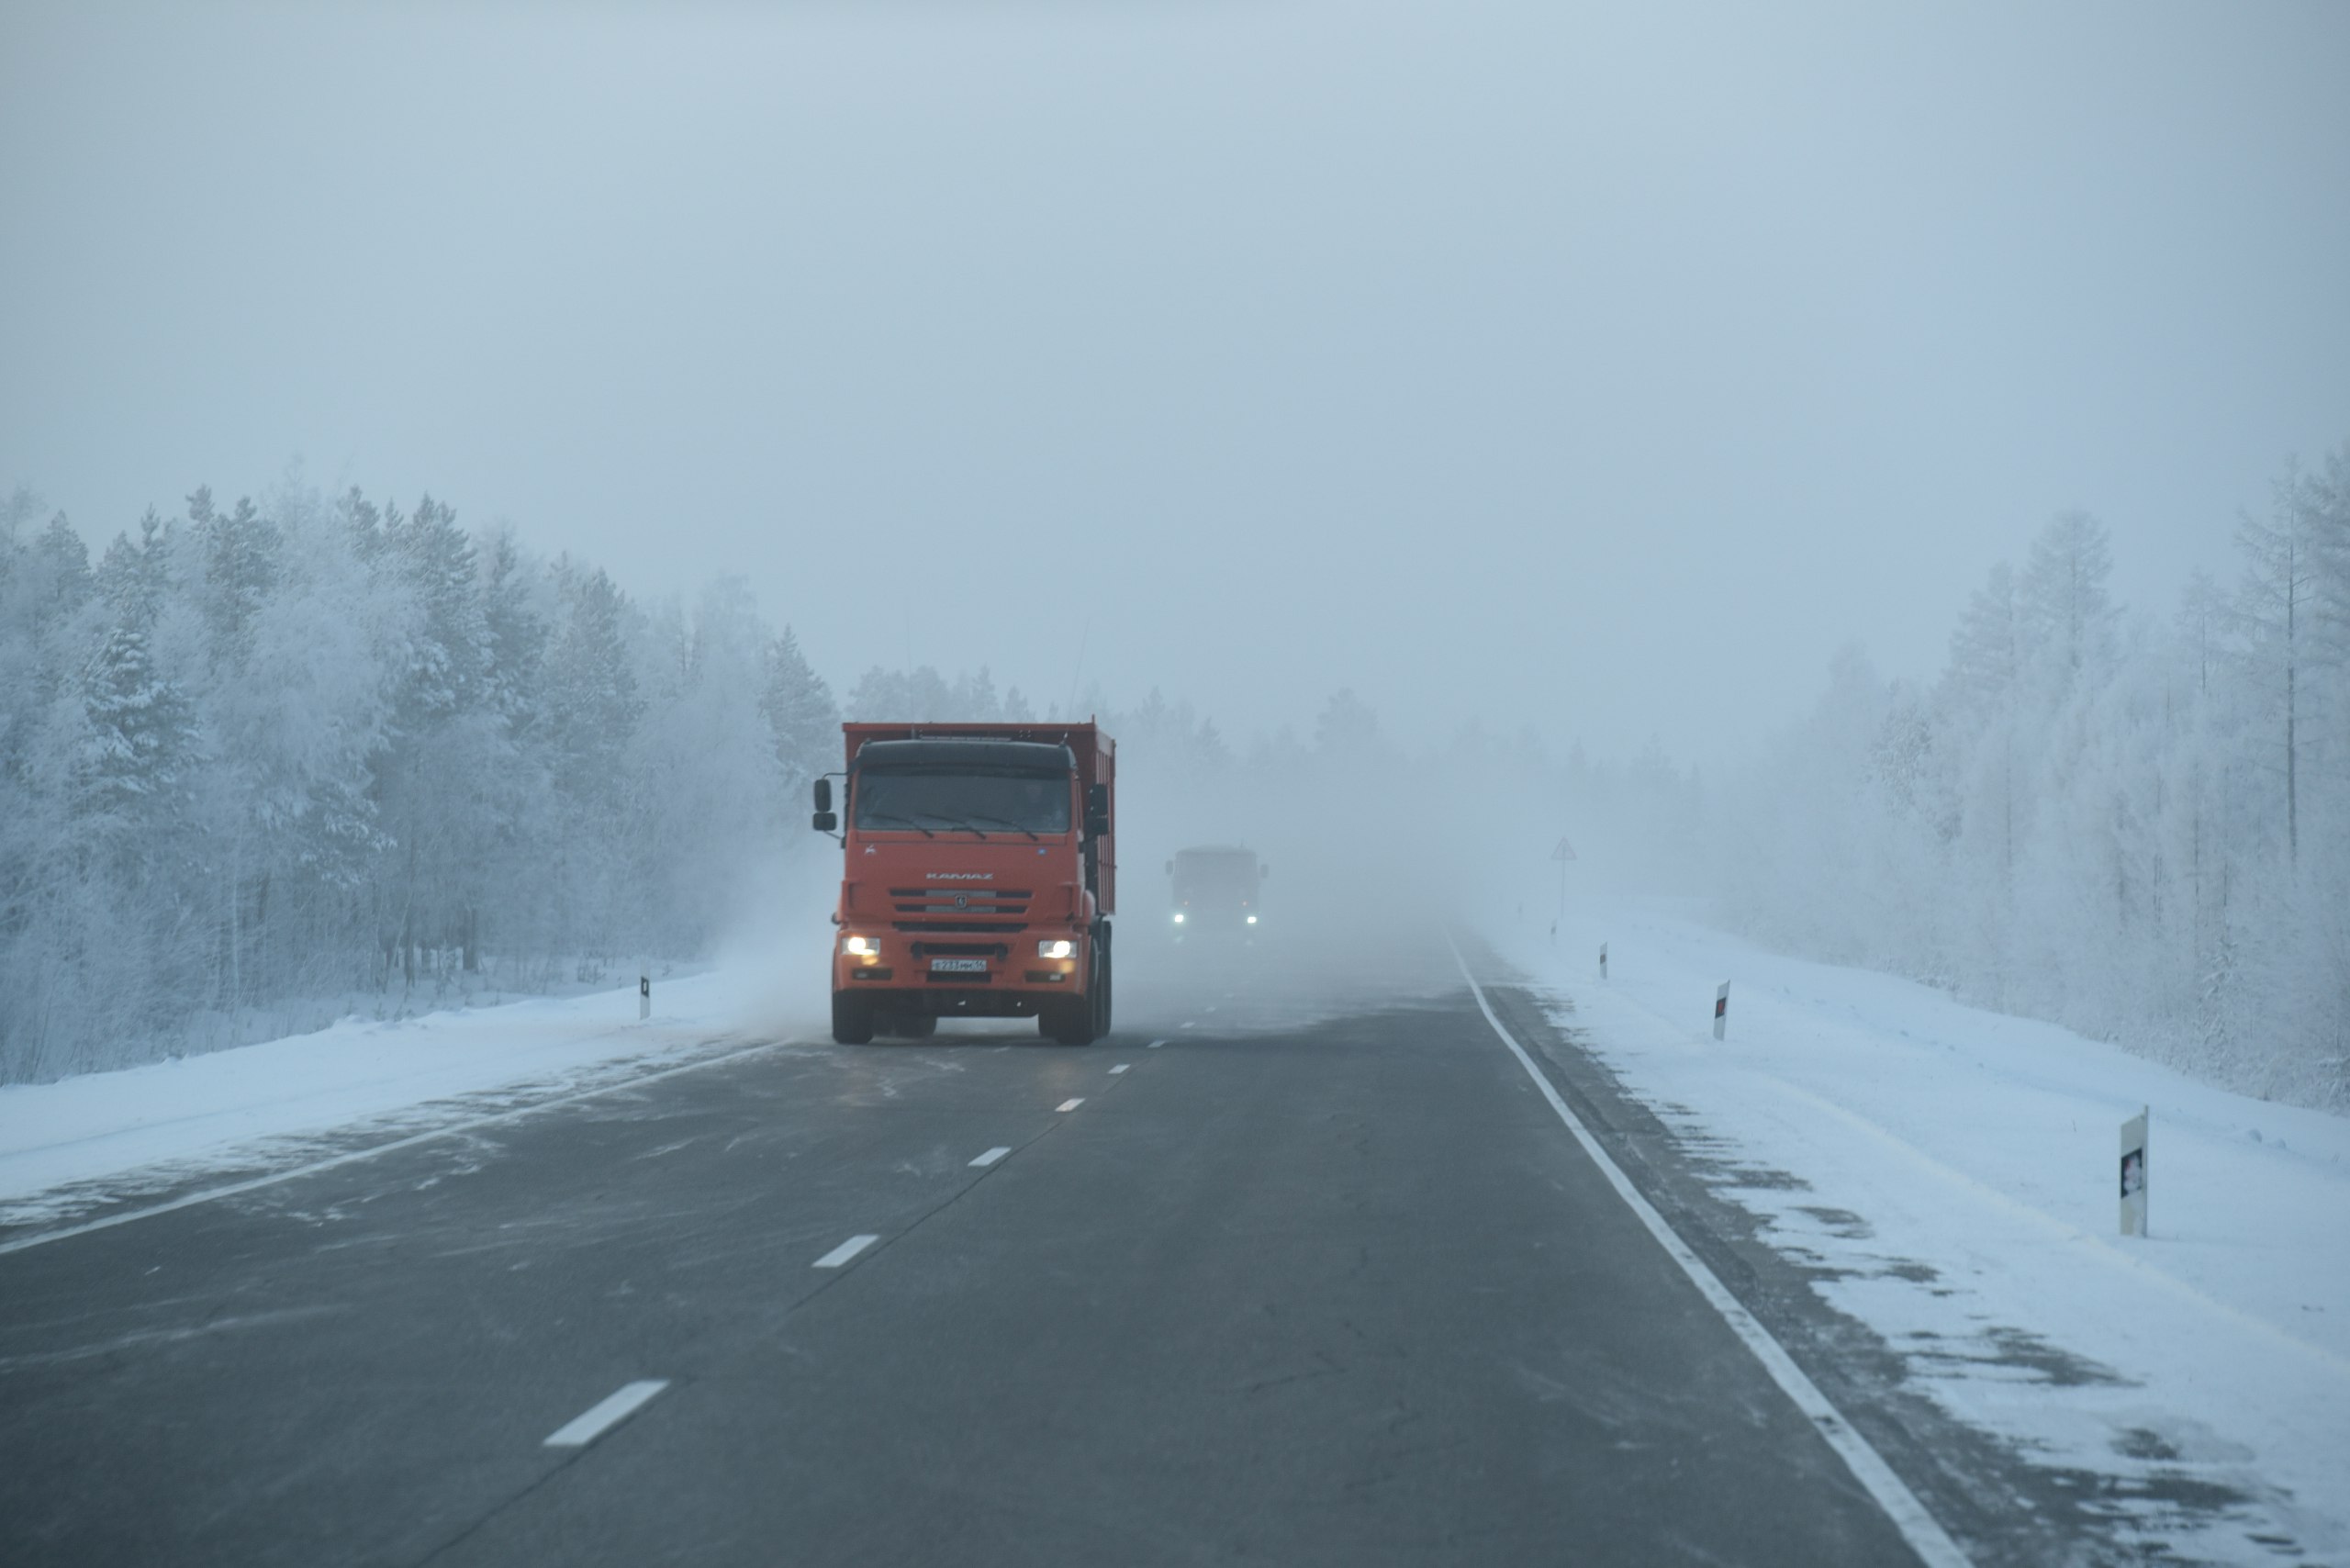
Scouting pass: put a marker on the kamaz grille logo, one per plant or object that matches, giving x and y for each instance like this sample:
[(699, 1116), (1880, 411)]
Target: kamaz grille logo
[(960, 875)]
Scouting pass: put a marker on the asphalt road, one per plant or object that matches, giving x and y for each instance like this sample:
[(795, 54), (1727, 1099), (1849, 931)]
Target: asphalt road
[(1304, 1284)]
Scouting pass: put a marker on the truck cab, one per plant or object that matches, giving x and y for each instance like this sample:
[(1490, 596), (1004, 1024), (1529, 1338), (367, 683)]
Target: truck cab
[(979, 877), (1216, 892)]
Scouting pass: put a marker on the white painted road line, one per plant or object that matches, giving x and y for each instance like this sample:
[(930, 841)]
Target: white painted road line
[(1119, 1068), (1070, 1104), (1919, 1529), (844, 1251), (593, 1423), (989, 1158), (1155, 1044)]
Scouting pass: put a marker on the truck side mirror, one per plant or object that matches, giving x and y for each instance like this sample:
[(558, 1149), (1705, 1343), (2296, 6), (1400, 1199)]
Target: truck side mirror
[(1171, 868), (824, 794), (824, 821), (1263, 871), (1097, 809)]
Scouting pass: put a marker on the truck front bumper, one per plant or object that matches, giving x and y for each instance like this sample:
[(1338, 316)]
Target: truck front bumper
[(994, 976)]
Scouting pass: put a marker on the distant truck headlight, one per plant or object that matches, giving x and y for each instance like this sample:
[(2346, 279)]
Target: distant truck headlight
[(1252, 920), (1178, 917), (1056, 948), (861, 947)]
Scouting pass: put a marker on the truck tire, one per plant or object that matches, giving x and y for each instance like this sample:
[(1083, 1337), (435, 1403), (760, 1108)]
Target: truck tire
[(1081, 1020), (1107, 991), (1071, 1021), (852, 1019)]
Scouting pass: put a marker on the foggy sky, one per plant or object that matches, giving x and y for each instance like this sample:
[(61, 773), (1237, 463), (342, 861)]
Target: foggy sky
[(1601, 370)]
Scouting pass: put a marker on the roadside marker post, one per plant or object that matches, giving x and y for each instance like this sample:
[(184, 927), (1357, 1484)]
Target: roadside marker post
[(1563, 853), (2133, 1173), (644, 998), (1603, 960), (1721, 1008)]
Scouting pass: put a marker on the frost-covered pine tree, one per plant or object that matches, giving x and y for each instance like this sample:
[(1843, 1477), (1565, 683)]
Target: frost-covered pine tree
[(803, 722)]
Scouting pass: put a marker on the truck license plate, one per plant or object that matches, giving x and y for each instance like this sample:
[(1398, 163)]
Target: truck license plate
[(958, 966)]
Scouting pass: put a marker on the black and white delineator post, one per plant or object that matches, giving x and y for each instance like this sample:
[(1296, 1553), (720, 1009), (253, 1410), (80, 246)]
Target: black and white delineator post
[(2133, 1174), (1603, 960), (1721, 1008), (644, 998)]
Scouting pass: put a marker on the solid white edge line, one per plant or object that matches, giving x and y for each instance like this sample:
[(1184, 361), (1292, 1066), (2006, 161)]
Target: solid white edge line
[(1918, 1528), (990, 1157), (233, 1189), (597, 1419), (844, 1251), (1119, 1068), (1069, 1105)]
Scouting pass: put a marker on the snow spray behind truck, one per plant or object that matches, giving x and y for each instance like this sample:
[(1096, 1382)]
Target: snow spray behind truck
[(981, 875)]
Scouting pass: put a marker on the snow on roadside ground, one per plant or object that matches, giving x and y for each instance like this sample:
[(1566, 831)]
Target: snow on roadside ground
[(70, 1147), (1958, 1176)]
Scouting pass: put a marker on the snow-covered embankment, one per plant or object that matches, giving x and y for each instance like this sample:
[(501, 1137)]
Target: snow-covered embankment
[(1957, 1172)]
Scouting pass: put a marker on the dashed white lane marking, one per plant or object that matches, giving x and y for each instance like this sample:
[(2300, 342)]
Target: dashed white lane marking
[(1119, 1068), (1919, 1529), (597, 1419), (1070, 1104), (1155, 1044), (1190, 1025), (844, 1251), (989, 1158)]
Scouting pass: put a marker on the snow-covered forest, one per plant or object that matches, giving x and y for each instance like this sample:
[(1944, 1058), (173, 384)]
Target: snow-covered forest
[(264, 760), (2133, 824)]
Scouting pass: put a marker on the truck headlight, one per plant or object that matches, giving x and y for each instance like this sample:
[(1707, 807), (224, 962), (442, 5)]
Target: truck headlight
[(1252, 920), (861, 947), (1178, 917), (1056, 948)]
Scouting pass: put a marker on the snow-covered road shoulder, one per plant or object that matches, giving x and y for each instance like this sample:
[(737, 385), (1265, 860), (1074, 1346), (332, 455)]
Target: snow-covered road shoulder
[(87, 1143), (1951, 1175)]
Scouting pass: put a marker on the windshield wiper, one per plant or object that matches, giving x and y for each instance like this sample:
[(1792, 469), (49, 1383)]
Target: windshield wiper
[(865, 817), (1006, 822), (959, 824)]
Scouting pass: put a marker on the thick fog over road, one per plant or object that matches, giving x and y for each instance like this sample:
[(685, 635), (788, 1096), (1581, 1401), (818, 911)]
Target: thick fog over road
[(1403, 387)]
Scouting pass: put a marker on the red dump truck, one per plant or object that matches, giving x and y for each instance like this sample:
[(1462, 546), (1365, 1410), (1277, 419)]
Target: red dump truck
[(981, 871)]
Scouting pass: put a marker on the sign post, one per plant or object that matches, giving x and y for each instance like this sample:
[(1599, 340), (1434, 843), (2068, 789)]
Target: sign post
[(644, 998), (1721, 1008), (1565, 852), (2133, 1174), (1603, 960)]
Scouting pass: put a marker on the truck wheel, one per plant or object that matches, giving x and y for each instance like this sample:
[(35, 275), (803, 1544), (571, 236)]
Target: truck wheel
[(852, 1019), (1070, 1022), (1103, 992)]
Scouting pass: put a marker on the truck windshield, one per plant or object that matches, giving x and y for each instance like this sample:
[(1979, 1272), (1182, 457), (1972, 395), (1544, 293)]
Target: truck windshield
[(1216, 875), (970, 802)]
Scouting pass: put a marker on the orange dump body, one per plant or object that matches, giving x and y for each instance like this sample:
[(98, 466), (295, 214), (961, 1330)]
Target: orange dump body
[(974, 883)]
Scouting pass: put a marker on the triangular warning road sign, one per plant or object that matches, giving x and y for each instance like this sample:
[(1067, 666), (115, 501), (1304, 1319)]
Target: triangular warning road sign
[(1564, 852)]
